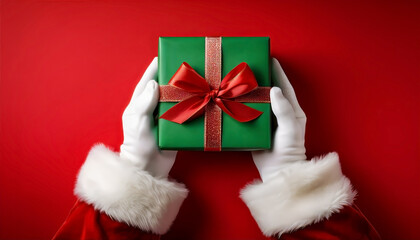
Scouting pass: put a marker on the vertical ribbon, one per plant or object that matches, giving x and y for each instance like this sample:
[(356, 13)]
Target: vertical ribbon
[(213, 75)]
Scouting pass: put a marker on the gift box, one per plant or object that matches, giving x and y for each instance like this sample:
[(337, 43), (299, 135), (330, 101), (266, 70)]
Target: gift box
[(199, 111)]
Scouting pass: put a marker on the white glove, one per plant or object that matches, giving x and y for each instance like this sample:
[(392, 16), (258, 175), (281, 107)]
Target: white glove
[(139, 144), (289, 138), (294, 193), (132, 186)]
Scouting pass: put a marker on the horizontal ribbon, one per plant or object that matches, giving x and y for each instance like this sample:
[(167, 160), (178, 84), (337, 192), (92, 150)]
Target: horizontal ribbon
[(173, 94), (196, 94)]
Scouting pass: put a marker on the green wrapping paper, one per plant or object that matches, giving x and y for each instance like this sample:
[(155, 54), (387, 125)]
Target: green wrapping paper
[(253, 135)]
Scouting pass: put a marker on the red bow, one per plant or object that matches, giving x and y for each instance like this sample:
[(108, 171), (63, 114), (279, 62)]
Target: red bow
[(236, 83)]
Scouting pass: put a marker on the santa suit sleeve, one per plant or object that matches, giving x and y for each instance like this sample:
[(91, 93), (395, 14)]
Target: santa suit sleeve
[(117, 200), (308, 200)]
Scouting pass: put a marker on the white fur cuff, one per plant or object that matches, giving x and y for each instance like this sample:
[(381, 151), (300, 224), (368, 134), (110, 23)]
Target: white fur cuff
[(128, 194), (302, 193)]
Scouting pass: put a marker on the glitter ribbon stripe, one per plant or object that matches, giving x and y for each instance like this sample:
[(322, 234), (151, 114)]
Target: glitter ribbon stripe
[(173, 94), (213, 114)]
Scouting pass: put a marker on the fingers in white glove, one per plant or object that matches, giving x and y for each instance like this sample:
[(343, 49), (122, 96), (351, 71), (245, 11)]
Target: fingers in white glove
[(149, 74), (139, 144), (280, 79), (137, 98), (288, 135), (145, 103), (138, 138), (281, 106), (160, 162)]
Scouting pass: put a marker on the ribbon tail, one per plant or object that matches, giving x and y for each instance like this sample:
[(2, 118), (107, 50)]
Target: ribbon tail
[(185, 110), (237, 110)]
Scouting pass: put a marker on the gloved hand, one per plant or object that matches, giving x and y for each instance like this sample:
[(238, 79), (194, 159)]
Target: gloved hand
[(132, 187), (139, 144), (289, 138), (294, 193)]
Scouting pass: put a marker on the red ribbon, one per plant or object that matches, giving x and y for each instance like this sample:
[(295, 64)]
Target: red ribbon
[(238, 82)]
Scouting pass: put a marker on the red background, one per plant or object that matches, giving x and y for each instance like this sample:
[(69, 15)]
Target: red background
[(68, 70)]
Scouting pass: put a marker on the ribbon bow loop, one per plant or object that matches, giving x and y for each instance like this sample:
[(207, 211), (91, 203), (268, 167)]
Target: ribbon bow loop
[(239, 81), (187, 79)]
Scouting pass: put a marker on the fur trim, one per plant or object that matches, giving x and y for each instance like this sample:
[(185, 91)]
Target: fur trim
[(302, 193), (127, 194)]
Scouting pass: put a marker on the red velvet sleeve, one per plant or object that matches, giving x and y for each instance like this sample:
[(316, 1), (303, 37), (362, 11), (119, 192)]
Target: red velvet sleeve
[(349, 224), (84, 222)]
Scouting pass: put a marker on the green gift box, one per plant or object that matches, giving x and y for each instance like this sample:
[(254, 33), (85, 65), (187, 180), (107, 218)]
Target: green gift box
[(235, 135)]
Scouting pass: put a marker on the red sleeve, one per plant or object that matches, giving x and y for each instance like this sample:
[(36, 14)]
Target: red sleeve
[(84, 222), (349, 223)]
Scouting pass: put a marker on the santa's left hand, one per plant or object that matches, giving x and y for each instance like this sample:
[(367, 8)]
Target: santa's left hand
[(139, 144), (132, 186)]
